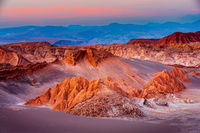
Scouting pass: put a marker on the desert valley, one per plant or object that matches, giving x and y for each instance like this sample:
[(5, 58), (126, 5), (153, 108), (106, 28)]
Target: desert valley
[(149, 83)]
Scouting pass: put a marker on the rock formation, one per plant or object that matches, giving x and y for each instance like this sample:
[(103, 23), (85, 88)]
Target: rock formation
[(143, 41), (163, 83), (80, 96), (178, 39), (93, 56), (12, 58), (173, 49), (195, 73), (36, 52), (103, 97), (182, 54), (11, 72), (181, 74), (68, 93)]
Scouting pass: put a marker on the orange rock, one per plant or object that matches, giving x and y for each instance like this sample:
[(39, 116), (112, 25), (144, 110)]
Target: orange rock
[(93, 56), (179, 38), (195, 73), (40, 100), (162, 83), (134, 92), (179, 73), (175, 40), (115, 87), (93, 60), (7, 57), (67, 94), (74, 56)]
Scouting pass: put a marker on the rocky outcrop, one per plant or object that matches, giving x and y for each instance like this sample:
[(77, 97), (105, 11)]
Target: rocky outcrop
[(170, 56), (8, 57), (67, 93), (93, 56), (181, 74), (97, 98), (175, 40), (12, 58), (163, 83), (73, 57), (11, 72), (194, 73), (37, 52), (179, 38)]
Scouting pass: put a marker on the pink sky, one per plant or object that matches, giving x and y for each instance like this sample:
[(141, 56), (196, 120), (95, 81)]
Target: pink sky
[(34, 11)]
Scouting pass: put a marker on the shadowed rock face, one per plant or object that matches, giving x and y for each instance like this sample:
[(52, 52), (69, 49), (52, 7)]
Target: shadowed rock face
[(93, 56), (11, 72)]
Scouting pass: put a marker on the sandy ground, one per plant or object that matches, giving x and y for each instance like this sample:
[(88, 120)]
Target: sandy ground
[(23, 119)]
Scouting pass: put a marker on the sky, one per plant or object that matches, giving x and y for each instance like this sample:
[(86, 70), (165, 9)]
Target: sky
[(93, 12)]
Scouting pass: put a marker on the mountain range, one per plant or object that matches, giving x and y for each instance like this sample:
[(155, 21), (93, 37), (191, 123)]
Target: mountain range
[(89, 35)]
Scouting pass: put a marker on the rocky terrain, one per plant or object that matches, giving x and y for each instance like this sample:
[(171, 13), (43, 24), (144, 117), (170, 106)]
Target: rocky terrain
[(78, 93), (139, 80), (178, 48), (185, 39)]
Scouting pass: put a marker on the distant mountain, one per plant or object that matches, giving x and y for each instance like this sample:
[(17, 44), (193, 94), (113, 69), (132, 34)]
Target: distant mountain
[(70, 43), (180, 38), (107, 34), (174, 40)]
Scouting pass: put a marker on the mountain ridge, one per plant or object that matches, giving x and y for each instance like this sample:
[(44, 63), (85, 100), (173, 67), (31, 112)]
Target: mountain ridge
[(107, 34)]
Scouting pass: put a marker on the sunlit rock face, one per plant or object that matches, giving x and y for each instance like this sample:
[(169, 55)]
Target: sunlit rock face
[(12, 58), (95, 98), (179, 38), (164, 82), (36, 52), (176, 40), (178, 48), (67, 93)]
